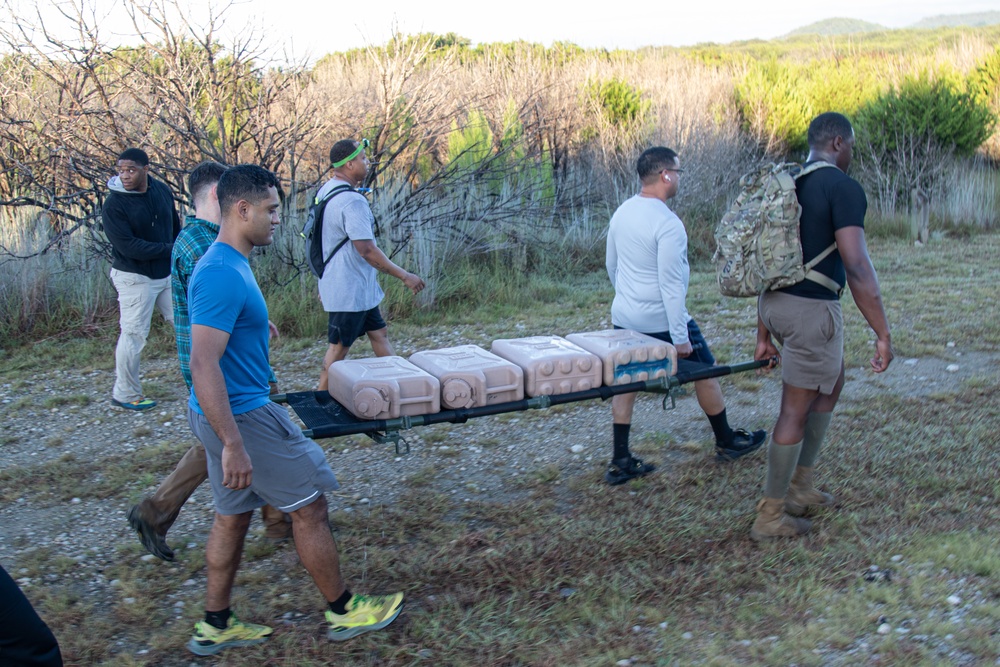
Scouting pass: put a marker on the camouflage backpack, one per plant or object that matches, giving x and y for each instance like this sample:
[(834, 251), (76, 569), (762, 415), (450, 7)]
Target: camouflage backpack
[(757, 242)]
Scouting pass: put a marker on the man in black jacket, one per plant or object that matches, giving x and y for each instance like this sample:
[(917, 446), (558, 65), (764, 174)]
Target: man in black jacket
[(141, 223)]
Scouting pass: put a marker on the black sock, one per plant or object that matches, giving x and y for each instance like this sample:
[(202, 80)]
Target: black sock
[(720, 425), (218, 619), (621, 441), (339, 606)]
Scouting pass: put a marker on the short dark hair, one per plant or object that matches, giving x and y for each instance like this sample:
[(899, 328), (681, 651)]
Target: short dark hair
[(828, 126), (247, 182), (342, 149), (136, 155), (203, 177), (654, 160)]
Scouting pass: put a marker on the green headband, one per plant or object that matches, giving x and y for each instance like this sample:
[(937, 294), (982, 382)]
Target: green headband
[(362, 145)]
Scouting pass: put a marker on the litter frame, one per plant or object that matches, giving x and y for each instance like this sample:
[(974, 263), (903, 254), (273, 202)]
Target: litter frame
[(324, 417)]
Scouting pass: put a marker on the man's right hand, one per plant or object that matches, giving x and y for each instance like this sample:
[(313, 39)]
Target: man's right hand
[(237, 469), (883, 355), (766, 350), (684, 349), (413, 282)]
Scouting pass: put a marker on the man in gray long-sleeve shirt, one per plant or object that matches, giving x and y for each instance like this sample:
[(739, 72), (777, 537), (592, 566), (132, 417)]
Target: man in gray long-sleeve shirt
[(648, 266), (141, 222)]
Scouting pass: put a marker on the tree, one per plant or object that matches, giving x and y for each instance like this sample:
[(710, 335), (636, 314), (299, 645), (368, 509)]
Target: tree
[(70, 105), (905, 132)]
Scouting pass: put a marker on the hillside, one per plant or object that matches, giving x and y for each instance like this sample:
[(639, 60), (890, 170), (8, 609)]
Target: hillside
[(847, 26), (837, 26), (954, 20)]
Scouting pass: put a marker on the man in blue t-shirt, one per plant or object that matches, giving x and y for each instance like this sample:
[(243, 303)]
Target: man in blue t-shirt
[(806, 320), (256, 454), (153, 516)]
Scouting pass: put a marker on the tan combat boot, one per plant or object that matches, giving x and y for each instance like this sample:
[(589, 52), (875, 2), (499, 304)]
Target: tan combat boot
[(277, 524), (803, 495), (772, 521)]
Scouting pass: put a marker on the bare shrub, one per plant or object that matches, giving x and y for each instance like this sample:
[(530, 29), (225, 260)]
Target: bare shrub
[(506, 155), (71, 105), (969, 195)]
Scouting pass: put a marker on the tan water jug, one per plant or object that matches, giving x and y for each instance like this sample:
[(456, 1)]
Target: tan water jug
[(628, 356), (551, 364), (384, 388), (471, 377)]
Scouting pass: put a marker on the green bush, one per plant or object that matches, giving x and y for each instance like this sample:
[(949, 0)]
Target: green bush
[(909, 136), (773, 106), (471, 144), (938, 113), (777, 100), (984, 82), (621, 104)]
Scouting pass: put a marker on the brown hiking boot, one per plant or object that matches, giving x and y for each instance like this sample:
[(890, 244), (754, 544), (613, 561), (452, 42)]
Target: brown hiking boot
[(277, 524), (772, 521), (154, 541), (802, 494)]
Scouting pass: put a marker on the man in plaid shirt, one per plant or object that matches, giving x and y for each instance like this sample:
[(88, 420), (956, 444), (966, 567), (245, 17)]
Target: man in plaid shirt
[(154, 516)]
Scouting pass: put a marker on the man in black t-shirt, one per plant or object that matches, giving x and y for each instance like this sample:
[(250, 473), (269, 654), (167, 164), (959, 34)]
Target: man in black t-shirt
[(806, 321)]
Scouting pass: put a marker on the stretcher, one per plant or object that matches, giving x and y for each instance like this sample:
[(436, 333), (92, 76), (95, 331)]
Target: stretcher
[(324, 417)]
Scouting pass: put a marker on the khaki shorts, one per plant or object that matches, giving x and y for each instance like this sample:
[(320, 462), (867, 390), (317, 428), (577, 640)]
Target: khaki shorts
[(811, 335)]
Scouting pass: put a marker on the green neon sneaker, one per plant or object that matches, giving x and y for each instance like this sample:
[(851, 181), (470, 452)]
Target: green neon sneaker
[(209, 640), (364, 614), (141, 404)]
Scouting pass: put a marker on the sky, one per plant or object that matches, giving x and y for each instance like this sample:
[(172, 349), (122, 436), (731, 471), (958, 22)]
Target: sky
[(308, 29), (586, 23)]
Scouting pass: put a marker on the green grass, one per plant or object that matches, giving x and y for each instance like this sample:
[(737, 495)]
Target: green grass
[(71, 476), (568, 571)]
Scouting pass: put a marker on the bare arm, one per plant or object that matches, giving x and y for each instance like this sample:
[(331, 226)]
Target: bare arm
[(371, 254), (207, 347), (766, 348), (865, 289)]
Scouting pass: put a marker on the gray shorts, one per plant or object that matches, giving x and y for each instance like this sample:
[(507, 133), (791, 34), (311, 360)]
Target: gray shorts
[(289, 470), (811, 335)]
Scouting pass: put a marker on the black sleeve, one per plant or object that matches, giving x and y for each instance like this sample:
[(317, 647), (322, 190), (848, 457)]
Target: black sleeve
[(123, 238), (848, 204), (177, 219)]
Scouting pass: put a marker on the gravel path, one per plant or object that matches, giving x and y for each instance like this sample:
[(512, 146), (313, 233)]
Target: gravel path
[(481, 459), (484, 459)]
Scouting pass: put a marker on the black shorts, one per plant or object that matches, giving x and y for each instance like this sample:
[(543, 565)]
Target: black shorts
[(700, 353), (345, 328)]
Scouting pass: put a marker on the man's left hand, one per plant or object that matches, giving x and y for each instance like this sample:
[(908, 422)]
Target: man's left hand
[(883, 355)]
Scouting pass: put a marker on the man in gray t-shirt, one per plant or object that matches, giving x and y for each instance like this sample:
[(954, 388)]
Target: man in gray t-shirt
[(349, 286)]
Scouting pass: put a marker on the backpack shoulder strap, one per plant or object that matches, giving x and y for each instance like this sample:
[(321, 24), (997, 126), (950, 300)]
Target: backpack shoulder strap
[(814, 166), (331, 194), (817, 277), (811, 273)]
